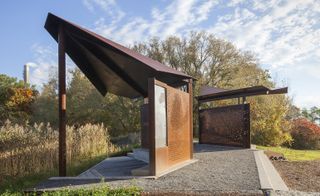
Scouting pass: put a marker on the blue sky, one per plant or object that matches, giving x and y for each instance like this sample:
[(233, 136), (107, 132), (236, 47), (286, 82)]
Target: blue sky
[(283, 34)]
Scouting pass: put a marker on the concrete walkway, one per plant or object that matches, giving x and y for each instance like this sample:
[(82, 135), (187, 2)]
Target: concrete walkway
[(113, 167), (268, 176)]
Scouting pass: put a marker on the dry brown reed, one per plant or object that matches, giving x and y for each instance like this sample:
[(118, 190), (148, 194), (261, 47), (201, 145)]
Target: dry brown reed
[(27, 149)]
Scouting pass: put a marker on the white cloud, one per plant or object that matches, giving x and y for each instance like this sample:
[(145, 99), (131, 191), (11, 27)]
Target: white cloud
[(284, 34), (177, 18), (108, 6), (233, 3), (45, 64), (307, 101), (280, 36), (45, 58)]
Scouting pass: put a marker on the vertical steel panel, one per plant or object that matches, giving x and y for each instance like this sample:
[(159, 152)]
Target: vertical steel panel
[(190, 91), (62, 102), (151, 117), (179, 129), (228, 125), (179, 133)]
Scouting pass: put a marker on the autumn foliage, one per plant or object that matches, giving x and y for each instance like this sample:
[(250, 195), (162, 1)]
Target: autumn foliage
[(20, 99), (16, 100), (306, 135)]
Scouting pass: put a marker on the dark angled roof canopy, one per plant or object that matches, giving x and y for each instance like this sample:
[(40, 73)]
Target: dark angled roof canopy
[(211, 93), (111, 67)]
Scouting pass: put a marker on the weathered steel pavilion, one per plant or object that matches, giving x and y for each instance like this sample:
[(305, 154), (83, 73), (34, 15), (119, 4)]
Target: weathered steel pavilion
[(111, 67), (228, 125)]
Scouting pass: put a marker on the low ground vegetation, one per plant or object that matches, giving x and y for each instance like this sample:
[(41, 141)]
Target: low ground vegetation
[(95, 190), (301, 169), (293, 154), (29, 153)]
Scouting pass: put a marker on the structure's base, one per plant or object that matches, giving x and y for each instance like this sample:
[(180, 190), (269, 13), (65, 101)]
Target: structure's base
[(143, 171), (177, 166)]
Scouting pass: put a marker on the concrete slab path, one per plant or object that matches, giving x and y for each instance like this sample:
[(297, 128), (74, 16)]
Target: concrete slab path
[(113, 167), (268, 175)]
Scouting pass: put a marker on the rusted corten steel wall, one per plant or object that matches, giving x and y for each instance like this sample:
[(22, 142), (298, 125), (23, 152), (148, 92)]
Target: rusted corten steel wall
[(179, 143), (228, 125), (178, 125)]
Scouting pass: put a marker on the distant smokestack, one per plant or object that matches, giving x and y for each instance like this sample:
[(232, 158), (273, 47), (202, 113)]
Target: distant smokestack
[(26, 74)]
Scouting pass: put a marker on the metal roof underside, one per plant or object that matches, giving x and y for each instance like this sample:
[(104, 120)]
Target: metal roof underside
[(211, 93), (109, 66)]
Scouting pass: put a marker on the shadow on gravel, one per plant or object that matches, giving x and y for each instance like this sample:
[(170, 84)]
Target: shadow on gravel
[(200, 148)]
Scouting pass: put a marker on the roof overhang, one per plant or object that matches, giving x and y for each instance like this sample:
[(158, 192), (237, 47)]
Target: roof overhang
[(109, 66), (212, 94)]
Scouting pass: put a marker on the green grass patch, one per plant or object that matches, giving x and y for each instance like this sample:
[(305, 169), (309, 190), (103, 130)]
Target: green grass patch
[(95, 190), (294, 155)]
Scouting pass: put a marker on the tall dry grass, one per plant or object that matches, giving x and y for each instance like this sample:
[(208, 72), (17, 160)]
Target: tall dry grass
[(33, 149)]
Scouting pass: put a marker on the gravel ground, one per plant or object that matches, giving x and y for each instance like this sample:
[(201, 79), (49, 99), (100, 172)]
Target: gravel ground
[(300, 175), (217, 169)]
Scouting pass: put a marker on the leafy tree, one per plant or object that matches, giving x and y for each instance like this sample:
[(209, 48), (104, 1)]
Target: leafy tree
[(83, 100), (85, 104), (219, 63), (7, 82), (15, 99), (45, 107), (313, 114), (269, 125)]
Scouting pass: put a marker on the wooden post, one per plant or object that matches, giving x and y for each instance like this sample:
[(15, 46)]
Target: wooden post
[(62, 102), (190, 91)]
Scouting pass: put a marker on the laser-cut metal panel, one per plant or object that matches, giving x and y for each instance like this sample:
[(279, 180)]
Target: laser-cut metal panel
[(178, 125), (228, 125), (177, 149)]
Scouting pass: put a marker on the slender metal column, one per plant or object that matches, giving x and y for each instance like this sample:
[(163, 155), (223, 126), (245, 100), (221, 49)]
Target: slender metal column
[(62, 102), (152, 128), (190, 91)]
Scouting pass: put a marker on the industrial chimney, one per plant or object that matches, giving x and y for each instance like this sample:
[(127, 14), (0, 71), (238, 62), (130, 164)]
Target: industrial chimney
[(26, 74)]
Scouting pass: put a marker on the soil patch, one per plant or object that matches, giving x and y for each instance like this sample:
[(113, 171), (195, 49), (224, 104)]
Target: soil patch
[(300, 175)]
